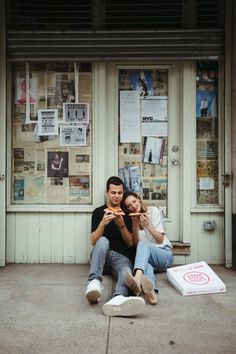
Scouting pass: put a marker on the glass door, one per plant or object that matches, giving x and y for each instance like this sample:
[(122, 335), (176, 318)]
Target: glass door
[(148, 138)]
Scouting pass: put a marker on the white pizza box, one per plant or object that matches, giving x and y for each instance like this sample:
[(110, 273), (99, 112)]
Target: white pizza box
[(194, 279)]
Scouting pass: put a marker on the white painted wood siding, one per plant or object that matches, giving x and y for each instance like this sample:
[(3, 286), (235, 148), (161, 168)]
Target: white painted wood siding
[(48, 237), (65, 238)]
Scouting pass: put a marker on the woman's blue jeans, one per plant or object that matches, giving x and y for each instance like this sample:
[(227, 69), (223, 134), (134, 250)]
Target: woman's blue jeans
[(105, 261), (150, 259)]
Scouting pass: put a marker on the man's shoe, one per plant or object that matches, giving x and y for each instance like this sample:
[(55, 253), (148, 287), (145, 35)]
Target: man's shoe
[(123, 306), (94, 291), (130, 281), (148, 290)]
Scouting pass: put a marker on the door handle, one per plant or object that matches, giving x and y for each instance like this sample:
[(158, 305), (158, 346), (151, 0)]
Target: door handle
[(2, 177), (175, 162)]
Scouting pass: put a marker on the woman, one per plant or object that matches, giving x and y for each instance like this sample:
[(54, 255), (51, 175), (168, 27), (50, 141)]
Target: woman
[(154, 250)]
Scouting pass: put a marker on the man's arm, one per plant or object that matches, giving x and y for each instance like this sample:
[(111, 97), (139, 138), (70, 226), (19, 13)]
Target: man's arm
[(95, 235), (125, 234), (99, 231)]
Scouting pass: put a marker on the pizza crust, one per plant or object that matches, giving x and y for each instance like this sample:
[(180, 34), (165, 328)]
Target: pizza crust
[(136, 214)]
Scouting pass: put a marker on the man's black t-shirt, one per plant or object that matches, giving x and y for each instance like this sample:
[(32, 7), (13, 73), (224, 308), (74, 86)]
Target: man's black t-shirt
[(112, 233)]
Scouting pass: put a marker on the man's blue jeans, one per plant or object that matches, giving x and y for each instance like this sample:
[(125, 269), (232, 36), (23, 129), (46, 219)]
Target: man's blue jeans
[(105, 261), (151, 258)]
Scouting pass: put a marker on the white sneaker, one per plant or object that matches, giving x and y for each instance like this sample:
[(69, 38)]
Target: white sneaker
[(94, 291), (123, 306)]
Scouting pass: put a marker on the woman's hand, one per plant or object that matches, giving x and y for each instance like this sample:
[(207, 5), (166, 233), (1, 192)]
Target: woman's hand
[(145, 221), (135, 222)]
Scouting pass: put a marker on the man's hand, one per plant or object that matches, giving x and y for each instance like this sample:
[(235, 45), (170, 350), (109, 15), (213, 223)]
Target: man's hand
[(119, 221), (108, 217)]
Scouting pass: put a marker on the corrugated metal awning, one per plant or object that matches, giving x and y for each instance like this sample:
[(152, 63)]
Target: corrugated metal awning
[(105, 30), (115, 45)]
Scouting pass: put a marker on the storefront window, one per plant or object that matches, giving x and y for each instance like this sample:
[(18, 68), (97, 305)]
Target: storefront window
[(143, 138), (51, 134), (207, 133)]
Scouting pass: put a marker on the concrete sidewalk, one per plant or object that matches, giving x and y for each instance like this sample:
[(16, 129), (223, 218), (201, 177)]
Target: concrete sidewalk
[(43, 311)]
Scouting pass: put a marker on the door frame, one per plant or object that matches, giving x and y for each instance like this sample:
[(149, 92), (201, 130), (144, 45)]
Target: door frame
[(229, 37), (3, 136)]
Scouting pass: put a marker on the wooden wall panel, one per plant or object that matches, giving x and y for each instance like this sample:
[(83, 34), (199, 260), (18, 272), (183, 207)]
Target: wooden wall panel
[(11, 237), (65, 238), (48, 237), (33, 238), (57, 237), (21, 238), (45, 237)]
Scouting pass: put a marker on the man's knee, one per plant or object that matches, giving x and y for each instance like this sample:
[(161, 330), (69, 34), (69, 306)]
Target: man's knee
[(102, 242)]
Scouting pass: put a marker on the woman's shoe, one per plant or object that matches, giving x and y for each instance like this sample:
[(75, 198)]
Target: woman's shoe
[(132, 284), (148, 290)]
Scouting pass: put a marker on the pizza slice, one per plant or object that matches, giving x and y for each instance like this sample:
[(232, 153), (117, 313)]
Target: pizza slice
[(136, 214), (115, 210)]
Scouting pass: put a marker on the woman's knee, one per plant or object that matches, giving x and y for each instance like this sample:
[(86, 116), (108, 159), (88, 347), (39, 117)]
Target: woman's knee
[(142, 244)]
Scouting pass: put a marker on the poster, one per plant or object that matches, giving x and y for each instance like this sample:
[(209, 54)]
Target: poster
[(79, 189), (76, 112), (152, 150), (142, 81), (65, 88), (130, 131), (47, 122), (131, 177), (57, 165), (154, 116), (73, 135), (206, 105), (19, 188)]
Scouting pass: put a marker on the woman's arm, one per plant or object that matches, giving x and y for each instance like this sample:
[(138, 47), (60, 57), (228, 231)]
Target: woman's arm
[(136, 228), (154, 225)]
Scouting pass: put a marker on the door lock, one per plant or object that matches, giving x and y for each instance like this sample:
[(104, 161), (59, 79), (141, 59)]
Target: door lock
[(175, 148), (2, 177)]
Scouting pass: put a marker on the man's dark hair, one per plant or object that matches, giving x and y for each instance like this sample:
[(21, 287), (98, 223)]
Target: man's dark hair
[(117, 181)]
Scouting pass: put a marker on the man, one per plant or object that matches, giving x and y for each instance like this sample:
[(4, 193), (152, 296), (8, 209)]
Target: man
[(204, 107), (113, 253)]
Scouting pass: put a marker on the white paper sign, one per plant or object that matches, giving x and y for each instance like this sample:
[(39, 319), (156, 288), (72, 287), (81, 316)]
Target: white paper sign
[(206, 183), (194, 279), (130, 130), (47, 122)]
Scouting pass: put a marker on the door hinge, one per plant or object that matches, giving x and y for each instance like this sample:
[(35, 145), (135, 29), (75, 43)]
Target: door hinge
[(227, 178)]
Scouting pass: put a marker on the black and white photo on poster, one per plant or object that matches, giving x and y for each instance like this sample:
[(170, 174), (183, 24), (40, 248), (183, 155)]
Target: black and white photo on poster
[(65, 89), (47, 122), (73, 135), (76, 112), (131, 177), (57, 164), (152, 150)]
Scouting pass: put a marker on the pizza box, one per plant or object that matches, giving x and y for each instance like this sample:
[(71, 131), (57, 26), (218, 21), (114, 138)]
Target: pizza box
[(195, 279)]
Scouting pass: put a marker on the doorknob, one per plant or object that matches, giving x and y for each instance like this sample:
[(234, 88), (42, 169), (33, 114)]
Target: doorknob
[(174, 162)]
